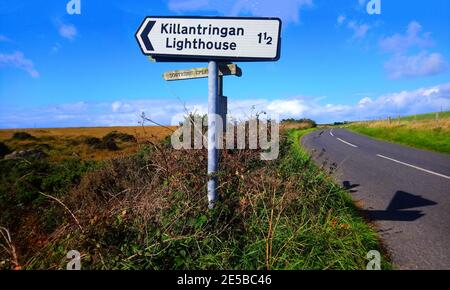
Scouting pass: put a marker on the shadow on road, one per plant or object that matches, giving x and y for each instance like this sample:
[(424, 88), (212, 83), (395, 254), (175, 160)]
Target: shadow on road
[(349, 186), (397, 209)]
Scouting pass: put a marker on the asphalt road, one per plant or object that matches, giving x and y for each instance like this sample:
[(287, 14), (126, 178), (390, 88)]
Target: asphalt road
[(405, 192)]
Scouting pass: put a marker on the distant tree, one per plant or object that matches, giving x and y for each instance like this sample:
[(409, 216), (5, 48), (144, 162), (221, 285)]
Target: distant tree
[(311, 123)]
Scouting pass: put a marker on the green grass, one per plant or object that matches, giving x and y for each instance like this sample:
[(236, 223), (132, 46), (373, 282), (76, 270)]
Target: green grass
[(424, 139), (428, 116), (420, 131), (334, 204)]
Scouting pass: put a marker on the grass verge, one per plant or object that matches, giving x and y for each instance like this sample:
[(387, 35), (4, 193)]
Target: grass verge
[(341, 210)]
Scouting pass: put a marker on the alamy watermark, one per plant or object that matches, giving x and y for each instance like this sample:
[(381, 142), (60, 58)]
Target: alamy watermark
[(73, 7), (74, 260), (252, 134), (373, 7), (374, 258)]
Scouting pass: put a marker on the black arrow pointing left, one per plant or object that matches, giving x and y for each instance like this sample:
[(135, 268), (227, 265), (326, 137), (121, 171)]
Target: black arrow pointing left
[(145, 35)]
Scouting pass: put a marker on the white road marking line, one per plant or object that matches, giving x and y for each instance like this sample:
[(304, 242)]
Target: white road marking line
[(348, 143), (415, 167), (331, 132)]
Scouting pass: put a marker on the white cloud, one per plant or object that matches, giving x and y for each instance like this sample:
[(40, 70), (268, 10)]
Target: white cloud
[(422, 64), (341, 19), (18, 60), (296, 107), (123, 112), (409, 102), (359, 30), (73, 107), (413, 37), (67, 31), (405, 102), (288, 10), (418, 101), (115, 106), (121, 107), (364, 102), (401, 64)]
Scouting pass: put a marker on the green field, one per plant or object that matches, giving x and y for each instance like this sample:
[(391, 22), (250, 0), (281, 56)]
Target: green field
[(427, 131), (427, 117)]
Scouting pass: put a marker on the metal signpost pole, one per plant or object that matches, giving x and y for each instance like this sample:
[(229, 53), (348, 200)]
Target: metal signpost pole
[(213, 106)]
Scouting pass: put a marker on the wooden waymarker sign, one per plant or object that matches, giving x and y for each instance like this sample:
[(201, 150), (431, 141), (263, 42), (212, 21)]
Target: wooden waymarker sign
[(196, 73)]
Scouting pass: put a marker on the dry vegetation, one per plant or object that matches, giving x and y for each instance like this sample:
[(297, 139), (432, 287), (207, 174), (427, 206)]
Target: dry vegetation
[(291, 125), (140, 132), (442, 125), (60, 143), (298, 124)]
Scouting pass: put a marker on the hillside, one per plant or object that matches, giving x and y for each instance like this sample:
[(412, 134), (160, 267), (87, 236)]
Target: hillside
[(427, 131)]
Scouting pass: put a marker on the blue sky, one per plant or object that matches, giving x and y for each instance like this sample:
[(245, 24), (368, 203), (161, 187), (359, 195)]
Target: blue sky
[(337, 62)]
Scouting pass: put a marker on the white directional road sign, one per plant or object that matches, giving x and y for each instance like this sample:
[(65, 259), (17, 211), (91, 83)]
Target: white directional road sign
[(210, 38)]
